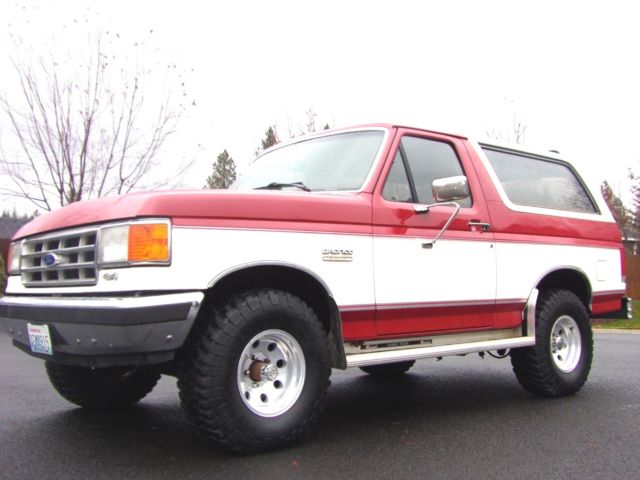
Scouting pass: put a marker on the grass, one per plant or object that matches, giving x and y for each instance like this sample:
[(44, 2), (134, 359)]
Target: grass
[(633, 324)]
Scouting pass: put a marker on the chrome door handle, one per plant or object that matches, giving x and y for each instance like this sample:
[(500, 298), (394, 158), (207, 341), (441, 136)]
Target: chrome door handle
[(483, 226)]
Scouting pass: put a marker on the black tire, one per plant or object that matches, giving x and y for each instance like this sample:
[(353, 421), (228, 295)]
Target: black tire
[(388, 369), (560, 361), (102, 388), (230, 346)]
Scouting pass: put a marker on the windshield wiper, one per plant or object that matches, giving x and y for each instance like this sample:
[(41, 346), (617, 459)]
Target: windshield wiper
[(280, 186)]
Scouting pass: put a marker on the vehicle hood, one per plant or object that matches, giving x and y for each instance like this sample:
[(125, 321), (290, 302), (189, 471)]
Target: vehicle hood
[(211, 208)]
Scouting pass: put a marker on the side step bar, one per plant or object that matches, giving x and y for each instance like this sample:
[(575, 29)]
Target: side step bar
[(527, 339), (389, 356)]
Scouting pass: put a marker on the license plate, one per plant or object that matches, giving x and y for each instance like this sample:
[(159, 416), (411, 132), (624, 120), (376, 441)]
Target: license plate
[(40, 339)]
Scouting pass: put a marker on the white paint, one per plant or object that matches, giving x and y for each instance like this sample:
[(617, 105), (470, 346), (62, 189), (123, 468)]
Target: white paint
[(602, 272), (404, 272), (522, 265), (201, 256), (450, 271)]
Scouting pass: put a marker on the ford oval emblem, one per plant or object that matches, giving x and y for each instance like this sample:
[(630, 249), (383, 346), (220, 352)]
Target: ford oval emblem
[(51, 259)]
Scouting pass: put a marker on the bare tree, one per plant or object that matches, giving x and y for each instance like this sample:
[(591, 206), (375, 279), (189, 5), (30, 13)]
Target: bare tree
[(519, 130), (309, 125), (626, 218), (516, 134), (311, 120), (85, 132), (516, 131)]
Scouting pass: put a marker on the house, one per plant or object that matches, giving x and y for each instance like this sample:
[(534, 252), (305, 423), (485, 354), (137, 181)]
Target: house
[(8, 227)]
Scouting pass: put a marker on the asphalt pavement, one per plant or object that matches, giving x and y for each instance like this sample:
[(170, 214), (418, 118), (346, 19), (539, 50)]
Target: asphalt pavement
[(459, 418)]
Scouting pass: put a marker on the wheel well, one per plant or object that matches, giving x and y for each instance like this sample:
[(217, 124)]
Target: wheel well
[(297, 282), (570, 280)]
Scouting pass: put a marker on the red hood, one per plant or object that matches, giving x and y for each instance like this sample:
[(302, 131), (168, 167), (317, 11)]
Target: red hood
[(183, 206)]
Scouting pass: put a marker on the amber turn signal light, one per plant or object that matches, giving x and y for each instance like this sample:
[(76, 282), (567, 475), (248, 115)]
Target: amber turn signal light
[(148, 242)]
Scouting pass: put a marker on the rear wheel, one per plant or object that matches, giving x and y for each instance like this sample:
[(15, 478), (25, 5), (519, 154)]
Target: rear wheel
[(254, 374), (388, 369), (102, 388), (560, 361)]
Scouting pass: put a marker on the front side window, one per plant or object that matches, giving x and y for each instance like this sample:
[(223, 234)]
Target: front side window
[(418, 162), (397, 188), (330, 163), (540, 182)]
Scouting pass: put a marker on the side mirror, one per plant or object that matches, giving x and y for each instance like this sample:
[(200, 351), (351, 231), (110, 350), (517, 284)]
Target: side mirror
[(450, 188)]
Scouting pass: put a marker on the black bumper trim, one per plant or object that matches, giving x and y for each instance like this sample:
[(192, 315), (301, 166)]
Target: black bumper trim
[(105, 331), (96, 316), (101, 361)]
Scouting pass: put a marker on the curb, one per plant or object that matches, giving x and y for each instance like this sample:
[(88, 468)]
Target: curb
[(616, 330)]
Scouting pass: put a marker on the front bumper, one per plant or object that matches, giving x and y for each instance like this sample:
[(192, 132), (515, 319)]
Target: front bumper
[(104, 331)]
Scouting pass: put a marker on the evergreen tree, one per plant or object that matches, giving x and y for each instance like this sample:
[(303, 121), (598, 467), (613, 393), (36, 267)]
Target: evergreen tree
[(224, 172), (13, 215), (270, 138)]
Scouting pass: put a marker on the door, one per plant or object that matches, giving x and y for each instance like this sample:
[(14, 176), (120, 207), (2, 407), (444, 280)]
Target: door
[(450, 286)]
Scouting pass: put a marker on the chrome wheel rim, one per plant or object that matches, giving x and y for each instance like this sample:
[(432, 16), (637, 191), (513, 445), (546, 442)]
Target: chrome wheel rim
[(566, 344), (271, 373)]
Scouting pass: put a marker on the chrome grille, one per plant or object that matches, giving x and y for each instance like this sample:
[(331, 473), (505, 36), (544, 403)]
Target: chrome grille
[(60, 259)]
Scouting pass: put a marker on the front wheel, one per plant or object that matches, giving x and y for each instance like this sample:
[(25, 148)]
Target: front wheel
[(560, 361), (254, 374)]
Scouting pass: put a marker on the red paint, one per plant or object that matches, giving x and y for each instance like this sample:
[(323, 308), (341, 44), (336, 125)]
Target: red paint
[(604, 302), (604, 306), (358, 324), (442, 318), (365, 213), (337, 212), (508, 313), (423, 319), (507, 224)]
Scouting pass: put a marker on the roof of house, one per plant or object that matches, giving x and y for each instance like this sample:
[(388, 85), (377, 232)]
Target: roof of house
[(9, 226)]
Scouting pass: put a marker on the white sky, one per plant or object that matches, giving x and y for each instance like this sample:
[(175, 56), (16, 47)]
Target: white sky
[(569, 70)]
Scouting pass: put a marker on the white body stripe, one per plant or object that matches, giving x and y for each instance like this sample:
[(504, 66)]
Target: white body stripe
[(450, 271), (200, 256), (404, 272), (522, 265)]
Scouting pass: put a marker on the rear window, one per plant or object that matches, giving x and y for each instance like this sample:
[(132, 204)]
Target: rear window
[(540, 182)]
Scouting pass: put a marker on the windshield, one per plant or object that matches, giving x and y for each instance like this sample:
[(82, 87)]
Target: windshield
[(335, 162)]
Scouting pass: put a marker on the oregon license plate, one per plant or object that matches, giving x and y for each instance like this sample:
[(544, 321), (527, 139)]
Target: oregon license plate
[(40, 339)]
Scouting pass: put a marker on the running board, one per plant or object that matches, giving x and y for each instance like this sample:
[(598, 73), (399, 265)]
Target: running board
[(390, 356), (397, 353)]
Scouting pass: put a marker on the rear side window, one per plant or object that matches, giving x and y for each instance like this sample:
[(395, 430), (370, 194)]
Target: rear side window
[(539, 182)]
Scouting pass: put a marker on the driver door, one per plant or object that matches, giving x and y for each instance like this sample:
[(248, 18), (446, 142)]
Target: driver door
[(450, 287)]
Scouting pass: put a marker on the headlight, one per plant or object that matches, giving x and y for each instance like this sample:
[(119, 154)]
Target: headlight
[(13, 260), (134, 243)]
